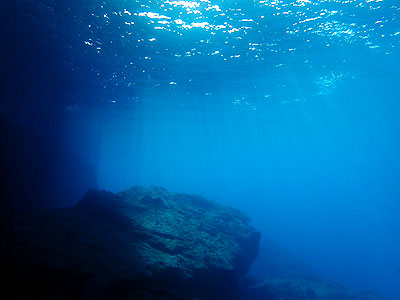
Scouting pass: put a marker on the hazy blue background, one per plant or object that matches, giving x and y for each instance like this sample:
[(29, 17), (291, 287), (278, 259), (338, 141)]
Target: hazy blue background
[(287, 110)]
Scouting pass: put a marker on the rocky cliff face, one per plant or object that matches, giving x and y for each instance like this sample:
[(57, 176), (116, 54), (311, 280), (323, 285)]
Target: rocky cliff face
[(142, 243), (38, 170)]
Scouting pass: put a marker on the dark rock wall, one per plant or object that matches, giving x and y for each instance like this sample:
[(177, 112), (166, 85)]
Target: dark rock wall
[(39, 167), (38, 172)]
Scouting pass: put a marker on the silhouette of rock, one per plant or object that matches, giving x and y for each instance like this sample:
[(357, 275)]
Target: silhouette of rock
[(38, 171)]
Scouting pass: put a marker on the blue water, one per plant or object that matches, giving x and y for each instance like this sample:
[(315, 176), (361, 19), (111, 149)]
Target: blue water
[(288, 110)]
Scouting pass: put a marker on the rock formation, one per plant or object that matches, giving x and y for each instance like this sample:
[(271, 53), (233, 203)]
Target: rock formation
[(301, 288), (145, 244), (140, 243), (39, 171)]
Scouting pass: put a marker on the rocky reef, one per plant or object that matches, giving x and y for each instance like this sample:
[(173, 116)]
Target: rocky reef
[(300, 288), (144, 244)]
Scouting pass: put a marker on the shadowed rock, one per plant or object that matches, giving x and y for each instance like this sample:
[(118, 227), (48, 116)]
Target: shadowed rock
[(301, 288), (142, 243), (145, 244)]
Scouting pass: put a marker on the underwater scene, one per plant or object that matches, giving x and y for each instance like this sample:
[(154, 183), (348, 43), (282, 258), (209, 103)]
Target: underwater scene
[(200, 150)]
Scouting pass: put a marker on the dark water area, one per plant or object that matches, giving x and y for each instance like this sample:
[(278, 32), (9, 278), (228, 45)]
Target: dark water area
[(287, 110)]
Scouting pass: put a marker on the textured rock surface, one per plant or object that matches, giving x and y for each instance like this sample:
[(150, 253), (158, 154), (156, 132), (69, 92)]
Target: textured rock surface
[(142, 243), (145, 244), (291, 288)]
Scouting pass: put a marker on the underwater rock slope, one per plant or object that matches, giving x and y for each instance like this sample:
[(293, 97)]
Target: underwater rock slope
[(142, 243), (301, 288)]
